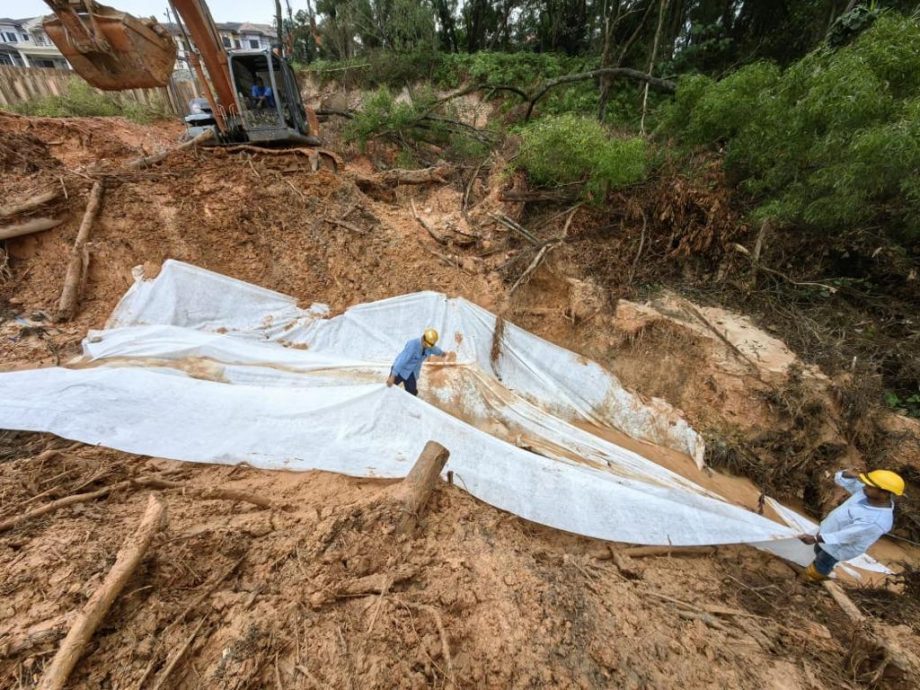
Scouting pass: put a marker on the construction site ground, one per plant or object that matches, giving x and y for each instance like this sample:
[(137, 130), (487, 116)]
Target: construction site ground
[(322, 593)]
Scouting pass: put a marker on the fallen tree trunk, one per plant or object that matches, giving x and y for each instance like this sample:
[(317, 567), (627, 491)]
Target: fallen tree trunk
[(79, 257), (32, 202), (147, 161), (414, 490), (8, 232), (127, 560), (398, 176)]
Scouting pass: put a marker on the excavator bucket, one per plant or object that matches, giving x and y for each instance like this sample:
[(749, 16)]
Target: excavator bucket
[(110, 49)]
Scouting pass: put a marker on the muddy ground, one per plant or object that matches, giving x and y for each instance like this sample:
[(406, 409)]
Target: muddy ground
[(320, 592)]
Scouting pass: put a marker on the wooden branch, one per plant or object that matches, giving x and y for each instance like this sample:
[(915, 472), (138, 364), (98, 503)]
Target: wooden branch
[(147, 161), (38, 634), (440, 239), (128, 558), (533, 266), (207, 493), (643, 551), (9, 523), (413, 491), (517, 227), (312, 153), (398, 176), (79, 257), (31, 203), (844, 602), (451, 681), (348, 226), (33, 225), (539, 195), (207, 590), (665, 85), (347, 114), (177, 657), (902, 659)]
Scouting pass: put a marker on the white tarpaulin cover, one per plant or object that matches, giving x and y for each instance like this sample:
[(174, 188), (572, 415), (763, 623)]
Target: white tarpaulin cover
[(200, 367)]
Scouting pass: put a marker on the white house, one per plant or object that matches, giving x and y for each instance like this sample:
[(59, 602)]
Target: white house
[(24, 43)]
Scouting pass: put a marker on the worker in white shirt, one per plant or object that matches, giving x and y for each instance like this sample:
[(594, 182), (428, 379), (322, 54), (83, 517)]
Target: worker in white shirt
[(857, 523)]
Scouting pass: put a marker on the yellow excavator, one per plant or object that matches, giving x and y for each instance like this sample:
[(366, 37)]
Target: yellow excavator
[(113, 51)]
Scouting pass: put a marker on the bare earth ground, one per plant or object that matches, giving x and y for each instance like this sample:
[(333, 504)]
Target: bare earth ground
[(322, 593)]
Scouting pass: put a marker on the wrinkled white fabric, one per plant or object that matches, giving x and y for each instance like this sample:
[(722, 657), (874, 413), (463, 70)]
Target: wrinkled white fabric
[(200, 367)]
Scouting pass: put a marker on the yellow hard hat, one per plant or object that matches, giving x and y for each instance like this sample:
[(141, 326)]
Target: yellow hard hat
[(884, 479), (430, 337)]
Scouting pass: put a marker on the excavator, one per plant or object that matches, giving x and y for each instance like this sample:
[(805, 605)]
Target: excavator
[(114, 51)]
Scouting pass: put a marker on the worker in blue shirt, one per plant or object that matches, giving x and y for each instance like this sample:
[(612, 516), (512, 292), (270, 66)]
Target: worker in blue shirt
[(857, 523), (408, 365), (262, 95)]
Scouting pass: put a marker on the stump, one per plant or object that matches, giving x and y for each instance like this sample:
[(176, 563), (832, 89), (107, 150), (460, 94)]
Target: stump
[(414, 490)]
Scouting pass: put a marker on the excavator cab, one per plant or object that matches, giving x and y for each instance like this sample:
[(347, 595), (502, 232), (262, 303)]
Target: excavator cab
[(110, 49), (280, 117)]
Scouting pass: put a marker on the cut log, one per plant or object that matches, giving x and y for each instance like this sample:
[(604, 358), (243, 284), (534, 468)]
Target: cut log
[(128, 558), (31, 203), (8, 232), (147, 161), (414, 490), (79, 257)]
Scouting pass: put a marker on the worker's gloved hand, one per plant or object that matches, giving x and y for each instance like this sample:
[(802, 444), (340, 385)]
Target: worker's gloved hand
[(808, 539), (391, 380)]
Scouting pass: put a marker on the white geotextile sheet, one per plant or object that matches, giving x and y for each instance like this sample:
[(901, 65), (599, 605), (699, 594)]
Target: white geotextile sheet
[(200, 367)]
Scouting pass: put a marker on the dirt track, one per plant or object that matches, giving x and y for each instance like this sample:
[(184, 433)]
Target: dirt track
[(322, 594)]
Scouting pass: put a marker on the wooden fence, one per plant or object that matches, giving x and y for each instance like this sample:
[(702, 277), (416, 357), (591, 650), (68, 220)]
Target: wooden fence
[(24, 84)]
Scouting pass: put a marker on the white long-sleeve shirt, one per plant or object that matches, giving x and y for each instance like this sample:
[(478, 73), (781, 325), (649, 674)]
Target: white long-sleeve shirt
[(854, 525)]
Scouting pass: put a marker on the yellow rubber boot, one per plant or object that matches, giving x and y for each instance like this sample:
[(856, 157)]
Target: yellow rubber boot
[(812, 575)]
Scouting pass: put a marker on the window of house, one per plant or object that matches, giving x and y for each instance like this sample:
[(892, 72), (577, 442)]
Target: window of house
[(5, 59), (40, 39), (226, 42), (253, 44), (10, 38), (25, 37)]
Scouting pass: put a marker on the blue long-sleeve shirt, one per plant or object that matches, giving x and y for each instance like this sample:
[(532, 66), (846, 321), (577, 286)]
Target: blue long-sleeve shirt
[(413, 356), (854, 525)]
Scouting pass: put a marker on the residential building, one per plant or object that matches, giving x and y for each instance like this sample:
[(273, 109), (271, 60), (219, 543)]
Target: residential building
[(24, 43), (234, 36)]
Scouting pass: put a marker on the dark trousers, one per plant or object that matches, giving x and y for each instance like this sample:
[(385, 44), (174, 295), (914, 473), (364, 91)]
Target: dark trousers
[(824, 562), (409, 384)]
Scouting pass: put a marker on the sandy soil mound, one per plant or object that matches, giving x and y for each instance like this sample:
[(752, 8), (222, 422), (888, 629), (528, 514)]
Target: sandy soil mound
[(324, 594)]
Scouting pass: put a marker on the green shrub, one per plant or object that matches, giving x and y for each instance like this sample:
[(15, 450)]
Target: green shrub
[(81, 100), (567, 149), (383, 116), (831, 142)]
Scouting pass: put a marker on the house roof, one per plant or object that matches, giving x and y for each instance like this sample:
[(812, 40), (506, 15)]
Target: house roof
[(230, 27)]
